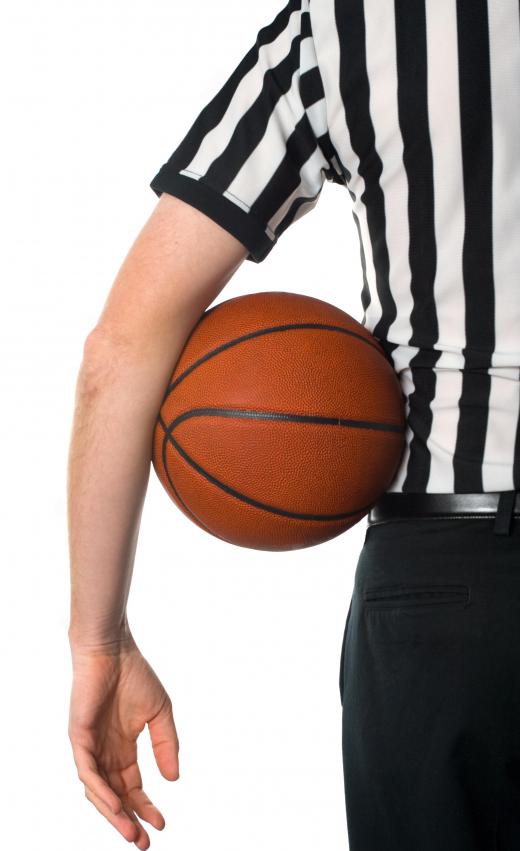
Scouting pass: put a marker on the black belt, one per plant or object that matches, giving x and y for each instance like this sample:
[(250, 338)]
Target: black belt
[(501, 505)]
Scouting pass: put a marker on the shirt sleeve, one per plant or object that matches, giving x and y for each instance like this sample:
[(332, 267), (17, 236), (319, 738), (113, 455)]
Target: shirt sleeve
[(257, 156)]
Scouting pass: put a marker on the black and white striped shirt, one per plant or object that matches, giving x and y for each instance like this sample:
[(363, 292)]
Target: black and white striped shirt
[(414, 107)]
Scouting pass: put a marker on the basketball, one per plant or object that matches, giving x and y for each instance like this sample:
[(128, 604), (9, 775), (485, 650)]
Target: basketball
[(282, 423)]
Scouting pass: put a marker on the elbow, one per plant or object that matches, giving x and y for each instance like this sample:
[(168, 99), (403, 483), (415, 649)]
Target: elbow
[(100, 356), (97, 339)]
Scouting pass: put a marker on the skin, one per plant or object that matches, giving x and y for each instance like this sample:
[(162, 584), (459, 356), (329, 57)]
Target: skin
[(178, 264)]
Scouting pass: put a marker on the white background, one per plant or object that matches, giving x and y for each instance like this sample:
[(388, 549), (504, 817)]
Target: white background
[(247, 643)]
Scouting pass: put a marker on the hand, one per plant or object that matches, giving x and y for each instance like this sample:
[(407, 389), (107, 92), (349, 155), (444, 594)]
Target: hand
[(114, 694)]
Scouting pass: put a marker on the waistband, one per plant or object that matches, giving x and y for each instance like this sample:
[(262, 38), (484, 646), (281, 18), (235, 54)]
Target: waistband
[(500, 505)]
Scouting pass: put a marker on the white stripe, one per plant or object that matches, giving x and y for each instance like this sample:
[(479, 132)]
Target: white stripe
[(326, 42), (497, 470), (382, 73), (504, 46), (443, 436), (449, 218)]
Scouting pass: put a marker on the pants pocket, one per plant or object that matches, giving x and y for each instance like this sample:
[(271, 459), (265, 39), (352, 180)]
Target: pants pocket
[(404, 595), (342, 655), (420, 613)]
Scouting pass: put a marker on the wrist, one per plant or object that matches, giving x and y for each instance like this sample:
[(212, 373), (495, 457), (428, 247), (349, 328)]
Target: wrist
[(86, 640)]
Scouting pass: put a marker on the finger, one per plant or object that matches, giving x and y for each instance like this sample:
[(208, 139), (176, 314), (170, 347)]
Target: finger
[(124, 822), (140, 802), (124, 783), (165, 742), (142, 839), (89, 774)]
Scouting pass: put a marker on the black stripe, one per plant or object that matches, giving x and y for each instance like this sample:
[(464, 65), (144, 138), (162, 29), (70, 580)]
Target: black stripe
[(355, 95), (477, 263), (365, 290), (412, 101), (311, 87)]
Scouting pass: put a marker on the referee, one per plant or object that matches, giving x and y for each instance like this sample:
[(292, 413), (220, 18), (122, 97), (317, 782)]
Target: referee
[(414, 107)]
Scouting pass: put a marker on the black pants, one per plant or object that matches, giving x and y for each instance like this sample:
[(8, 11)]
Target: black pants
[(430, 688)]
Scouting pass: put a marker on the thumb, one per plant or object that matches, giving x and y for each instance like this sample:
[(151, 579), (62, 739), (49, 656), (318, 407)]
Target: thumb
[(165, 742)]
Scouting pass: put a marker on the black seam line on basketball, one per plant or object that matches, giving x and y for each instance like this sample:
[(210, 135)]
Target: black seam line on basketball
[(174, 489), (260, 332), (272, 509), (279, 415)]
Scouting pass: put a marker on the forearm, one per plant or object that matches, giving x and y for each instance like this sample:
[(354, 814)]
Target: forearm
[(118, 395), (176, 267)]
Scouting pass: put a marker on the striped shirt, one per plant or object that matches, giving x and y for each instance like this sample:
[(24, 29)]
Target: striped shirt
[(414, 107)]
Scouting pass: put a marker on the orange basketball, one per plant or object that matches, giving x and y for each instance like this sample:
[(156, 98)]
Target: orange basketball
[(282, 424)]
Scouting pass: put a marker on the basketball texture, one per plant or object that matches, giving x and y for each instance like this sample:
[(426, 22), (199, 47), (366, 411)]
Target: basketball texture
[(282, 423)]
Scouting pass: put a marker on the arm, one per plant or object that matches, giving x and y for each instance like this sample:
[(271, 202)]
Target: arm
[(178, 264), (176, 267)]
